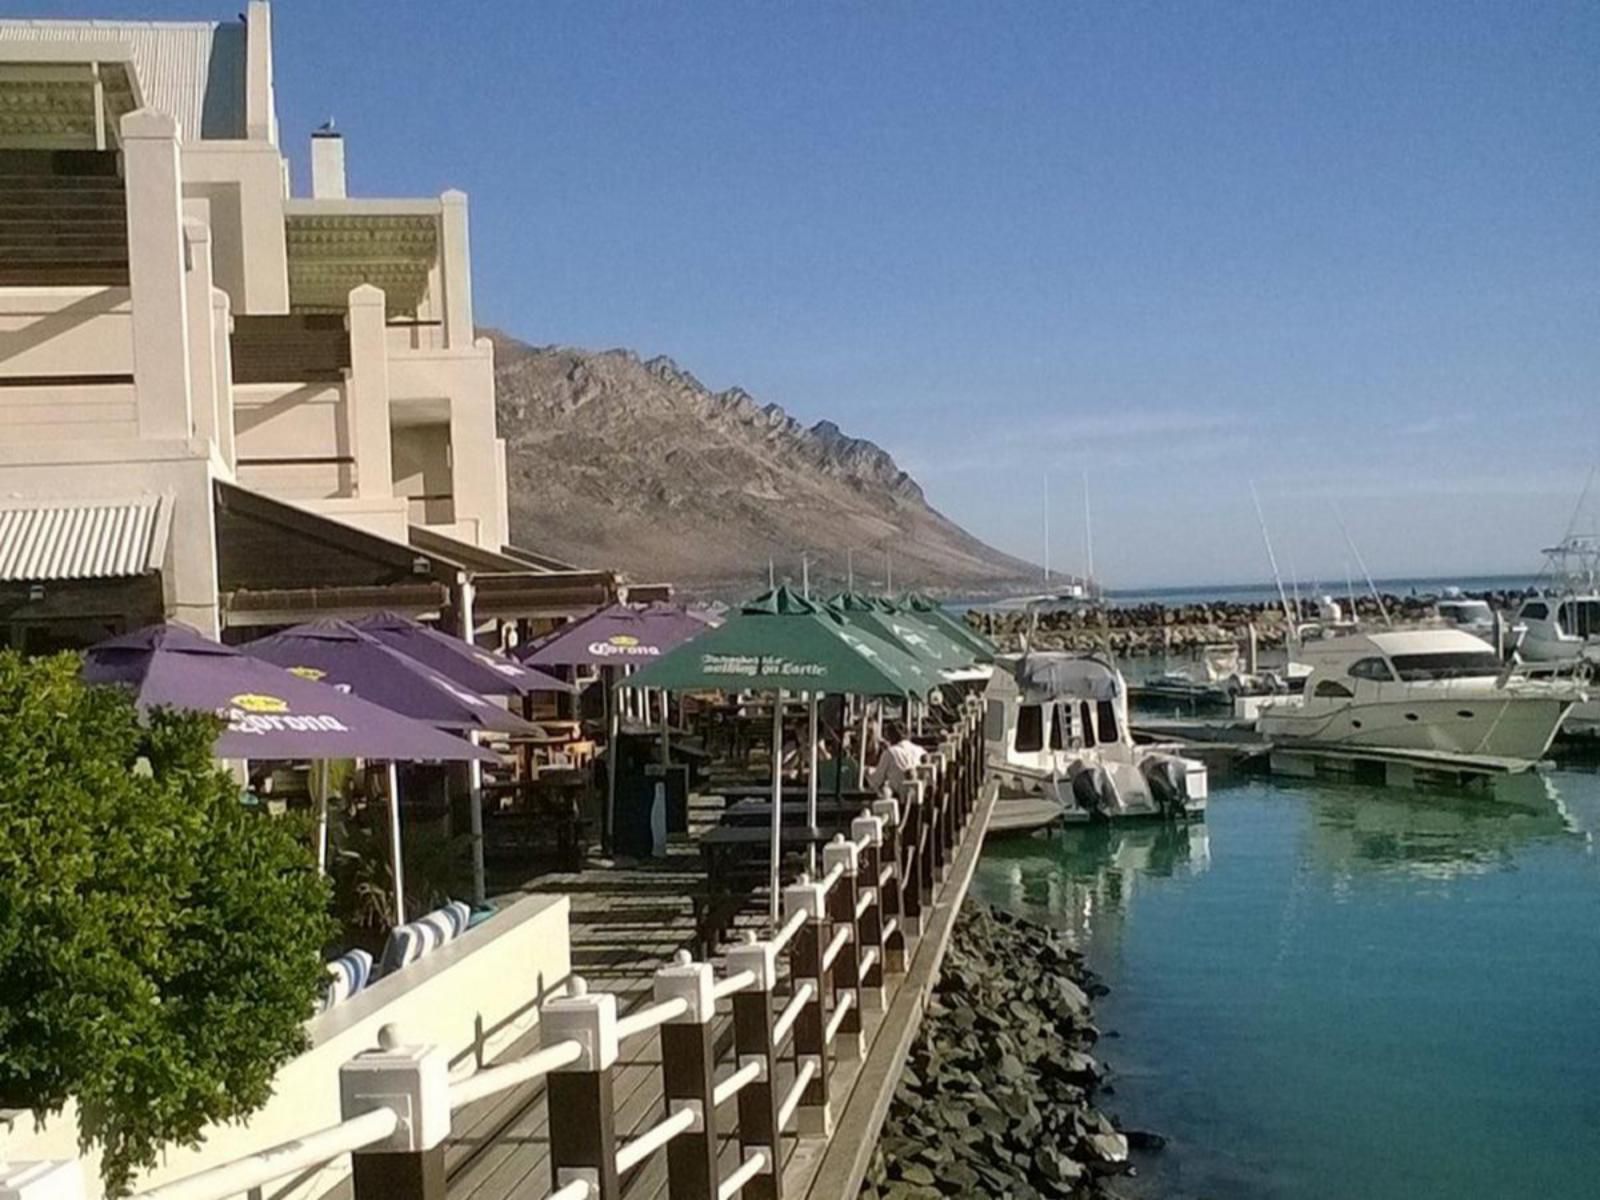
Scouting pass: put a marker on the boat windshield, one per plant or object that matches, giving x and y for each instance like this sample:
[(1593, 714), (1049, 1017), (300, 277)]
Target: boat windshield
[(1419, 668)]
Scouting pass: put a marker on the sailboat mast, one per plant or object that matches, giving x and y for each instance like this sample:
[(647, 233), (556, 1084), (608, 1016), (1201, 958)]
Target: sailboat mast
[(1088, 539), (1047, 528), (1277, 576)]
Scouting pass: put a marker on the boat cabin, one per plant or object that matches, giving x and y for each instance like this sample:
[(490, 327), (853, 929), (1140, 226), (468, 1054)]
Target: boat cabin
[(1340, 664), (1557, 627), (1044, 703)]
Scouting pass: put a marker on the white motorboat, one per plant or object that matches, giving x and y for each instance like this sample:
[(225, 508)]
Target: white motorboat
[(1562, 623), (1056, 727), (1437, 691)]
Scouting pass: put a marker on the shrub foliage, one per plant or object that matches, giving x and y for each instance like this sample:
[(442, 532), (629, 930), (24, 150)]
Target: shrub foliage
[(160, 944)]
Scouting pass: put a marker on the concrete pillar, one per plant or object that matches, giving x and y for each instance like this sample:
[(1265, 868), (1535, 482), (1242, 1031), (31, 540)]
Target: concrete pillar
[(260, 106), (156, 254), (474, 478), (189, 576), (204, 384), (327, 165), (222, 355), (367, 393), (455, 259)]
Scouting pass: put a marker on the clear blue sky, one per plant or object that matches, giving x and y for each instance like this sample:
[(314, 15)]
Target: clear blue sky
[(1347, 249)]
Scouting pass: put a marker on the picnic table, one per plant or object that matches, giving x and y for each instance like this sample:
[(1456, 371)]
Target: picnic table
[(523, 814), (736, 862)]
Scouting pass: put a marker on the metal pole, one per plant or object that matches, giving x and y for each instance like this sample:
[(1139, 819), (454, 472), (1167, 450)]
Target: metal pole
[(613, 736), (326, 773), (480, 887), (396, 857), (861, 747), (468, 633), (811, 781), (777, 808)]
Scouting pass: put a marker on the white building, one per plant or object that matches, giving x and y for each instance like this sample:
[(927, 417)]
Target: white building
[(219, 402)]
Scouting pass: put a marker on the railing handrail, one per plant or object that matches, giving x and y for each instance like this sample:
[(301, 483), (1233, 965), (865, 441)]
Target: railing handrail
[(791, 1012), (286, 1158), (736, 982), (642, 1147), (786, 932), (503, 1076), (651, 1016)]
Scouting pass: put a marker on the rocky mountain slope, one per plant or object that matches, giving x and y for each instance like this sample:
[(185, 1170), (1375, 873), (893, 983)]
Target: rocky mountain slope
[(634, 463)]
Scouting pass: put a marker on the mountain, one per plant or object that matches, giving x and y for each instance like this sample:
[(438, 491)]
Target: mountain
[(634, 463)]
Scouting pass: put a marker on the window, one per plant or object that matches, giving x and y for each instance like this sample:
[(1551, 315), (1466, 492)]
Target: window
[(1108, 721), (1371, 668), (1420, 668), (1058, 740), (1088, 723), (994, 721), (1030, 728), (1537, 611), (1579, 618), (1330, 688)]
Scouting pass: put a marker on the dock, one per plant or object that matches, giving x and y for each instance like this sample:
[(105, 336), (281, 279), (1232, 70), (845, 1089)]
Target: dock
[(628, 921)]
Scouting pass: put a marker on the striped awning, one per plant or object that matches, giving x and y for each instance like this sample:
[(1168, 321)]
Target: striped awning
[(82, 539)]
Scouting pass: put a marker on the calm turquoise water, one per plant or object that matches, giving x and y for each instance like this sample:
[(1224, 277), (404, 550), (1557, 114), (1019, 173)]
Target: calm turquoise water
[(1344, 992)]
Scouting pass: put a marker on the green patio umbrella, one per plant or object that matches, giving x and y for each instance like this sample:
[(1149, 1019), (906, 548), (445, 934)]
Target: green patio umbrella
[(783, 642), (932, 647), (931, 614)]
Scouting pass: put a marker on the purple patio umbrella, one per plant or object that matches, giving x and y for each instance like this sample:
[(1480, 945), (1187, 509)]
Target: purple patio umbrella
[(271, 713), (481, 671), (339, 653), (615, 636), (610, 638)]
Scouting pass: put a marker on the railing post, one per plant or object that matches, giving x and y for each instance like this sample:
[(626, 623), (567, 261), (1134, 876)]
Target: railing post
[(891, 877), (870, 926), (415, 1082), (583, 1115), (912, 817), (846, 970), (688, 1077), (810, 1030), (752, 1043)]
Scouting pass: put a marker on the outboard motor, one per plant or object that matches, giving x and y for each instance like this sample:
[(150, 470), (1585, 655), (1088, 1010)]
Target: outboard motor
[(1093, 790), (1168, 784)]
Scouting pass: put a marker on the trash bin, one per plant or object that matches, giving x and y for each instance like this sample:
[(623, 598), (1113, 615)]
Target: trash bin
[(632, 832)]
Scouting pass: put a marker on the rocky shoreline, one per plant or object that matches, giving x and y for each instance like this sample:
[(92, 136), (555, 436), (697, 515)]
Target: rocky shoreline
[(1143, 629), (996, 1099)]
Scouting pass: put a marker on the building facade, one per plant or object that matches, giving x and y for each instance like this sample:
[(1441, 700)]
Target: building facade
[(220, 402)]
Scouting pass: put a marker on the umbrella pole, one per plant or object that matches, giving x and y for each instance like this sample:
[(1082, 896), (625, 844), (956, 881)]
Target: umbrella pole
[(325, 771), (861, 748), (395, 855), (613, 732), (666, 732), (811, 780), (777, 805), (480, 889)]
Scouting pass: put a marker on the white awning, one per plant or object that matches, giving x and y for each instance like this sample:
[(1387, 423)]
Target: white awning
[(82, 539)]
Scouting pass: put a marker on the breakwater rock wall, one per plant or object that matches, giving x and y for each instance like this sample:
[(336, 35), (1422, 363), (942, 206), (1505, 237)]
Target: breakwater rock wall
[(1177, 628), (996, 1097)]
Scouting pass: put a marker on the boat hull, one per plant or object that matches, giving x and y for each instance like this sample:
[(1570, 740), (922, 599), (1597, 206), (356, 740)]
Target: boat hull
[(1510, 726)]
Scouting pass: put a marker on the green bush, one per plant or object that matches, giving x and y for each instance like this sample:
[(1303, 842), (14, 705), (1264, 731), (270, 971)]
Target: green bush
[(160, 946)]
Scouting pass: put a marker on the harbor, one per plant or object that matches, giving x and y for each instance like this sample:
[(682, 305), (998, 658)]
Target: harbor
[(544, 653)]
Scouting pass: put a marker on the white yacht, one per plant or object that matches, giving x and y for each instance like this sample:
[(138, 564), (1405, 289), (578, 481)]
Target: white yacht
[(1439, 691), (1056, 727), (1562, 623)]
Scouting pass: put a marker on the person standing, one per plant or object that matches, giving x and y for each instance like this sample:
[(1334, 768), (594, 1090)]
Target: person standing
[(897, 760)]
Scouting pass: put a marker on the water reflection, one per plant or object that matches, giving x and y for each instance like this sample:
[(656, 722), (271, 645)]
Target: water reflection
[(1082, 880), (1434, 835)]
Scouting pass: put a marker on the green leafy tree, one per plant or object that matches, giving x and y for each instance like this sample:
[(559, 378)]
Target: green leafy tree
[(160, 945)]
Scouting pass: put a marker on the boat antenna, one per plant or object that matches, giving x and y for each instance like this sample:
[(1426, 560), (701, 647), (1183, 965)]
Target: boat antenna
[(1277, 577), (1088, 540), (805, 574), (849, 569), (1350, 590), (772, 575), (1047, 527), (1383, 609)]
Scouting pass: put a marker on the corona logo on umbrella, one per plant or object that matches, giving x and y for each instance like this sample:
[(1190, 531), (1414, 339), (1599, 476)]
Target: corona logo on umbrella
[(313, 673), (623, 645), (257, 712)]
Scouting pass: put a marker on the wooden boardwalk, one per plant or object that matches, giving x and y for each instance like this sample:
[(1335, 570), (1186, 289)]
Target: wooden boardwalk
[(626, 921)]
